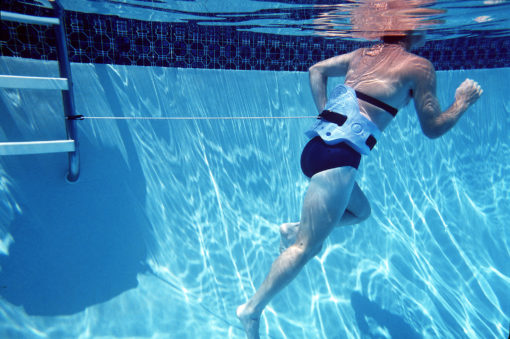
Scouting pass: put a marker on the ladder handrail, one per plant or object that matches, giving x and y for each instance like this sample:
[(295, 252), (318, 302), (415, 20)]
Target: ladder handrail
[(67, 95)]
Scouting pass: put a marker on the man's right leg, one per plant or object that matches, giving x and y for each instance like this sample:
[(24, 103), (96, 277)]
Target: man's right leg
[(325, 201)]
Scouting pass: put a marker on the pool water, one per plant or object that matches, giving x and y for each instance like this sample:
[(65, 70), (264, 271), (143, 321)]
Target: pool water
[(173, 223)]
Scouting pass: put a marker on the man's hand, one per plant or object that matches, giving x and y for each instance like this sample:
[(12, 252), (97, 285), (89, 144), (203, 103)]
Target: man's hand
[(467, 93)]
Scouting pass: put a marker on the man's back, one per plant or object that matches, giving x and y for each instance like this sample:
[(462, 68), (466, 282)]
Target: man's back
[(387, 72)]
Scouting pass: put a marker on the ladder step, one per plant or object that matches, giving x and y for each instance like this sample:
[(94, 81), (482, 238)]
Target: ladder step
[(15, 81), (28, 19), (36, 147)]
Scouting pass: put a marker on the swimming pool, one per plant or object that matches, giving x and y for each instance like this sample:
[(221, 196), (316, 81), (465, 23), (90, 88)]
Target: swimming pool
[(172, 224)]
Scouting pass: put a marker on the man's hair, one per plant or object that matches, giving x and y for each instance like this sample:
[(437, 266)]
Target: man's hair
[(393, 39)]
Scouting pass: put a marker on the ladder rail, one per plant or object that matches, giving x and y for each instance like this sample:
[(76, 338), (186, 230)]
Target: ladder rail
[(67, 95), (29, 82), (64, 83)]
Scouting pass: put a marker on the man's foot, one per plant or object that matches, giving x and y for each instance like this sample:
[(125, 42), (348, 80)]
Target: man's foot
[(288, 233), (250, 322)]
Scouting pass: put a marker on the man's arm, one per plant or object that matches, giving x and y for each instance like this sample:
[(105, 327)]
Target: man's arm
[(435, 123), (319, 73)]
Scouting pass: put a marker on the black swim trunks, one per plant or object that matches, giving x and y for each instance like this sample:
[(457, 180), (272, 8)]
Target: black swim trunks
[(352, 135), (318, 156)]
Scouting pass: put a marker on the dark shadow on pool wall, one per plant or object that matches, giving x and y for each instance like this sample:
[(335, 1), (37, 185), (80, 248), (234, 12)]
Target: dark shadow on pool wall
[(75, 245), (394, 324)]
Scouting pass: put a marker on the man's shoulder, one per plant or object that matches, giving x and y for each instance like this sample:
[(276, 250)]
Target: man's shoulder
[(417, 67), (419, 60)]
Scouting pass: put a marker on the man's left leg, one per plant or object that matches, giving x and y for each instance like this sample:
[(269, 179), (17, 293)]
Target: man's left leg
[(358, 210)]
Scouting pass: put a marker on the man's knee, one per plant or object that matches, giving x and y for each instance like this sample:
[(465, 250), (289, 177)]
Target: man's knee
[(365, 211), (359, 205), (361, 214)]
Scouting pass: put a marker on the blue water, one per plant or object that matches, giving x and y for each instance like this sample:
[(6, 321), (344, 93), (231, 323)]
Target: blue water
[(175, 223), (307, 17)]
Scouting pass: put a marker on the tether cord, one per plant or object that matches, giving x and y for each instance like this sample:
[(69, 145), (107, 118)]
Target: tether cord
[(194, 118)]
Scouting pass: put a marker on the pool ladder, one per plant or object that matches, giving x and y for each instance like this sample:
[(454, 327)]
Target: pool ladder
[(63, 83)]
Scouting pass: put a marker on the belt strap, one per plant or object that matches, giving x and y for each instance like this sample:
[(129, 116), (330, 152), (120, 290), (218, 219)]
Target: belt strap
[(333, 117), (376, 102), (340, 119)]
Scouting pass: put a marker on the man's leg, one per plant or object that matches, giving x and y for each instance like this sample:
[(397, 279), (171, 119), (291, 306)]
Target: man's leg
[(358, 209), (324, 204)]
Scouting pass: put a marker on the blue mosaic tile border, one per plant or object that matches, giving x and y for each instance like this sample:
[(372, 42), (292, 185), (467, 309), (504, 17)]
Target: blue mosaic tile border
[(94, 38)]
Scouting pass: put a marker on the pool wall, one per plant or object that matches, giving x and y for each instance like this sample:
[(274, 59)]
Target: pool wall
[(139, 34), (174, 223)]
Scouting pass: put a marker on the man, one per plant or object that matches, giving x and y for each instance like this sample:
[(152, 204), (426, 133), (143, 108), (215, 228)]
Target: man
[(378, 80)]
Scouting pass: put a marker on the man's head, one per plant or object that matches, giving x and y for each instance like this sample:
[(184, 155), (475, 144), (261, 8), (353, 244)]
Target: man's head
[(375, 19), (410, 39)]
